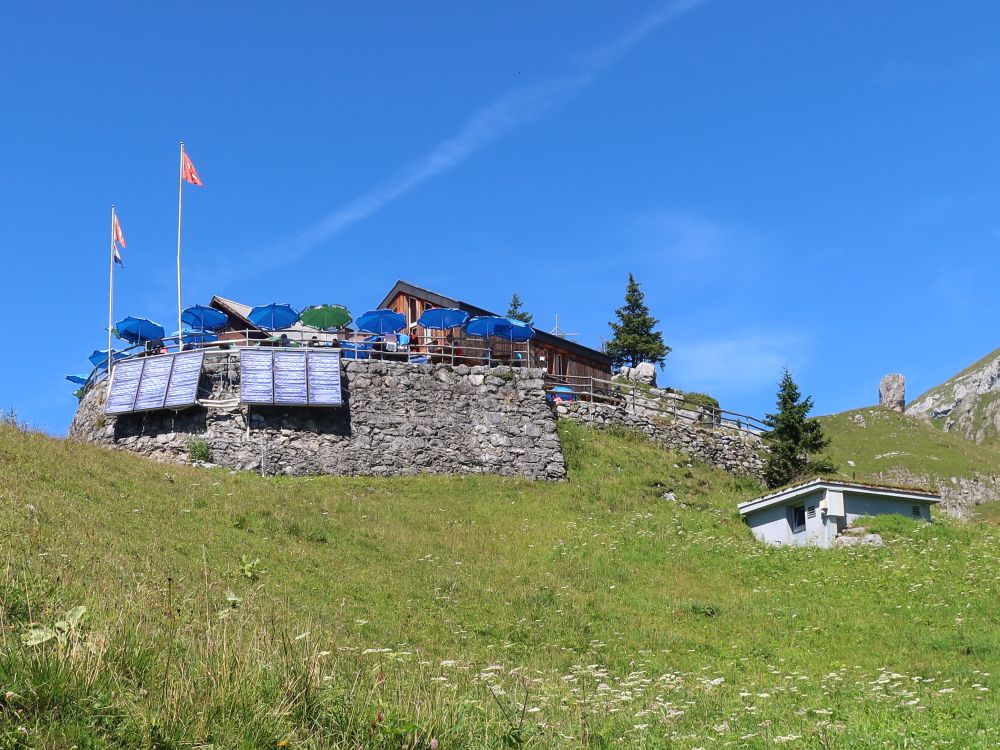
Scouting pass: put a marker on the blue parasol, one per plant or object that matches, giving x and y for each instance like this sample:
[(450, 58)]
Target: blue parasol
[(273, 317), (381, 321), (486, 325), (78, 379), (99, 358), (204, 318), (443, 318), (138, 330), (198, 337), (515, 331)]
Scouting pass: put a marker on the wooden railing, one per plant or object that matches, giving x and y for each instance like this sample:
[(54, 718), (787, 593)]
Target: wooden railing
[(640, 399)]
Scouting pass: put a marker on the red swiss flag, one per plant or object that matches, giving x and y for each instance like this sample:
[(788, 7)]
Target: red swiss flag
[(188, 172)]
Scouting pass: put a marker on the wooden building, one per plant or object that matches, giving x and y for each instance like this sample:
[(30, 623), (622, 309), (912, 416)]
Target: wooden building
[(558, 355)]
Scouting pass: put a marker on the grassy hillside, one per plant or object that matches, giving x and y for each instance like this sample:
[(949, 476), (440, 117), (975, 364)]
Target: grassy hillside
[(877, 439), (874, 442), (229, 611)]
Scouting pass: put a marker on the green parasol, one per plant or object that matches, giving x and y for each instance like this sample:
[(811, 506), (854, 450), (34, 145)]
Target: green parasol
[(326, 317)]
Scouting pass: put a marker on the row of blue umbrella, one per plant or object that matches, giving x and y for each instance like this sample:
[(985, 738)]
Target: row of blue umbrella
[(203, 322), (382, 321)]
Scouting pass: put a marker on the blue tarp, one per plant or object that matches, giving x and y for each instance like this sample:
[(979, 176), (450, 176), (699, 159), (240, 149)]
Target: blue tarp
[(504, 328), (204, 318), (273, 317), (354, 349), (138, 330), (562, 393), (78, 379), (443, 318), (381, 321)]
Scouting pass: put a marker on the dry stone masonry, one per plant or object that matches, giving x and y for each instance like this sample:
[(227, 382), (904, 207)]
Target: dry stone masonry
[(397, 419), (736, 451)]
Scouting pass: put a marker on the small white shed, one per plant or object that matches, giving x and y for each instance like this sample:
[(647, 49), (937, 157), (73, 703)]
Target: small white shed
[(816, 512)]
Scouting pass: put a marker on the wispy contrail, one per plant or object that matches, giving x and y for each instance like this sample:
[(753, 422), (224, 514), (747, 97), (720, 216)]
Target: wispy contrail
[(507, 112)]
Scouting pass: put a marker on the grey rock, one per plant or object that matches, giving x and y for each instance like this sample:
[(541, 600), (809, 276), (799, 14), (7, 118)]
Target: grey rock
[(892, 392), (866, 540), (644, 372)]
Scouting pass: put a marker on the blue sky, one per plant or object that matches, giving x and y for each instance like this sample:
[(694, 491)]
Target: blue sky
[(803, 184)]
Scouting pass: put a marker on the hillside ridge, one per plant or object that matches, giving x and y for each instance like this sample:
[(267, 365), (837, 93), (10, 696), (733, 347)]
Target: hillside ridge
[(881, 445), (967, 403)]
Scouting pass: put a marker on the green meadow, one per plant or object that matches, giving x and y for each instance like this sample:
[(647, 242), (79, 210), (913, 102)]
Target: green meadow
[(152, 606)]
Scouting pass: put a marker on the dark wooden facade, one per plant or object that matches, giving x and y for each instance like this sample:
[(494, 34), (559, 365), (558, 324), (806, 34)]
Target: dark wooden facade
[(559, 356)]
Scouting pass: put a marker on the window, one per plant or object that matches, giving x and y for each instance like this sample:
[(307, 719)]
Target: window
[(811, 511), (798, 518), (916, 511)]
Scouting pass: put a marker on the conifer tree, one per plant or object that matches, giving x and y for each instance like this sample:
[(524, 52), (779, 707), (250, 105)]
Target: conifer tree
[(514, 311), (794, 438), (635, 339)]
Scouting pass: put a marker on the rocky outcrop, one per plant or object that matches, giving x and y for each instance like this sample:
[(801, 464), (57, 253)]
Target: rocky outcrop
[(644, 372), (397, 419), (968, 403), (892, 392), (959, 495), (736, 451)]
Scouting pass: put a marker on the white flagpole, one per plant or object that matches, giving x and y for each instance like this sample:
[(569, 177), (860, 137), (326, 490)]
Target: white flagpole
[(111, 287), (180, 196)]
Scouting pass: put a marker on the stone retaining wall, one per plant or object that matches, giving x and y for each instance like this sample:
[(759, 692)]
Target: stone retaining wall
[(397, 419), (731, 450)]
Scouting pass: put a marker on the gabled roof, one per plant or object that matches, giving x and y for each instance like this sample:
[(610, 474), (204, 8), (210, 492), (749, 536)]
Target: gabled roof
[(232, 309), (795, 491), (405, 287)]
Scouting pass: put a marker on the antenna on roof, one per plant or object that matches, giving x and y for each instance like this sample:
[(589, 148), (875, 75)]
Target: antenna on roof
[(557, 331)]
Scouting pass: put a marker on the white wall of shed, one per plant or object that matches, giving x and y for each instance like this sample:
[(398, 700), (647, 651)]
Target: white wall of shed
[(857, 504)]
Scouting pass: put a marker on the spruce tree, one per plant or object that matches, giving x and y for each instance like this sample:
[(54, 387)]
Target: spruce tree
[(794, 437), (514, 311), (634, 339)]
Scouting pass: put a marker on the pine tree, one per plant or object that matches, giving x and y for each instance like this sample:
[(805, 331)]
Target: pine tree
[(514, 311), (634, 339), (793, 438)]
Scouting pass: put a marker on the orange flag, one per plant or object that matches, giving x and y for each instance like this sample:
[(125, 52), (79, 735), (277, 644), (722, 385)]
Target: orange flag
[(188, 172)]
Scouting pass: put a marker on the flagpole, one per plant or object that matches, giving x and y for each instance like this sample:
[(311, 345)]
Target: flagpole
[(111, 287), (180, 197)]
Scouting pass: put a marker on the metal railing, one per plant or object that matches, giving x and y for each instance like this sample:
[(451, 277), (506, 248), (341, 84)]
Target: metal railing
[(385, 348), (640, 399)]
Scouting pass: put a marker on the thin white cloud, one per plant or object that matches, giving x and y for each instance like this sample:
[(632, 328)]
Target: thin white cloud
[(511, 110), (735, 365)]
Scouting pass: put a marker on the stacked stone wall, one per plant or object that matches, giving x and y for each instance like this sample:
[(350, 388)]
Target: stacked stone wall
[(736, 451), (397, 419)]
